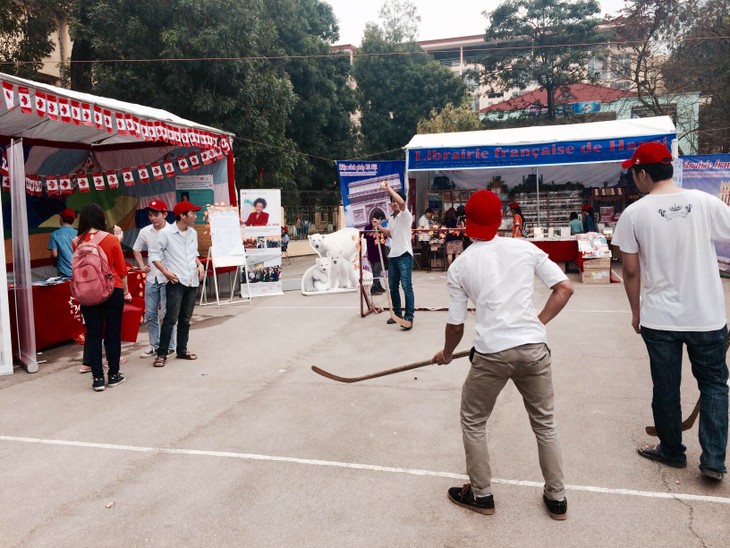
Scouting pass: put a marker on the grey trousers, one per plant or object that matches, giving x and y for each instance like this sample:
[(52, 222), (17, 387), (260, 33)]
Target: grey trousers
[(529, 368)]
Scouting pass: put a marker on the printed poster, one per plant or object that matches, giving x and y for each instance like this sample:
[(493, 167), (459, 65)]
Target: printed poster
[(261, 221)]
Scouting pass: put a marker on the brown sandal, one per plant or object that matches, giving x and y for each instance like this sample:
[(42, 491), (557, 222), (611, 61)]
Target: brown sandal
[(160, 361), (187, 356)]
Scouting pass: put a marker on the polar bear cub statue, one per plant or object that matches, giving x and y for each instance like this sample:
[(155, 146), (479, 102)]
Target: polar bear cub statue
[(317, 276), (344, 273), (342, 243)]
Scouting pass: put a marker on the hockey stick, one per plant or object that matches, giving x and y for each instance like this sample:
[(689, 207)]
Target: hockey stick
[(400, 321), (381, 373), (689, 422)]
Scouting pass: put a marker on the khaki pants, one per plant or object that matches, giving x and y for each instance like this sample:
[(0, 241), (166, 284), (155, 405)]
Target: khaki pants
[(529, 368)]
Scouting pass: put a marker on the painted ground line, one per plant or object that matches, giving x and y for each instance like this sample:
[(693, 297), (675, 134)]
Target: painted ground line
[(355, 466)]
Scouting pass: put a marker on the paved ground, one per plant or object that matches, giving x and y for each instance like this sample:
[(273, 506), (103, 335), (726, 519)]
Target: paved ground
[(248, 447)]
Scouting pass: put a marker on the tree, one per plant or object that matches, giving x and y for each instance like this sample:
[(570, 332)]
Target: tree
[(399, 21), (397, 86), (547, 42), (450, 119), (25, 34)]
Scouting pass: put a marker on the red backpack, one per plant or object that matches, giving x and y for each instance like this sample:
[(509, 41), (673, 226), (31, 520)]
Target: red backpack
[(92, 280)]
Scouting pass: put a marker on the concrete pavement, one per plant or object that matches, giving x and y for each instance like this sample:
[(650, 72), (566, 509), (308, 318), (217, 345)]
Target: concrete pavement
[(248, 447)]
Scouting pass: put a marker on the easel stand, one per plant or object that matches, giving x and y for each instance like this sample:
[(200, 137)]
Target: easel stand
[(214, 262)]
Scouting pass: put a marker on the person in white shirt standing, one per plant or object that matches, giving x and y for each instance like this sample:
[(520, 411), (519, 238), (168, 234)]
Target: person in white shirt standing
[(176, 255), (497, 275), (425, 224), (666, 247), (155, 298)]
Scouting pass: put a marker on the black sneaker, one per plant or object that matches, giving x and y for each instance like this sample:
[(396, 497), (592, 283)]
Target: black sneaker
[(98, 384), (464, 496), (115, 380), (558, 509)]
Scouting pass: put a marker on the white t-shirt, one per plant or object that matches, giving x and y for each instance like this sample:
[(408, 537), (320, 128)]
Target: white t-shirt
[(400, 234), (673, 233), (498, 277), (146, 238)]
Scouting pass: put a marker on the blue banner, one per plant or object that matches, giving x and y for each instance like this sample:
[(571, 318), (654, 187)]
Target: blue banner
[(360, 187), (568, 152)]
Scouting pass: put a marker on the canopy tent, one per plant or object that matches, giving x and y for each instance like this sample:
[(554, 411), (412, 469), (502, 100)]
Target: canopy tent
[(588, 153), (73, 148)]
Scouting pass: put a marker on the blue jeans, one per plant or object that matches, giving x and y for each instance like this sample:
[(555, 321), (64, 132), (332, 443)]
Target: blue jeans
[(104, 321), (180, 305), (400, 271), (706, 350), (155, 300)]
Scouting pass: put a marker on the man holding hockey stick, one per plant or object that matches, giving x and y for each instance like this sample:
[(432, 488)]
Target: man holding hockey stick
[(497, 275)]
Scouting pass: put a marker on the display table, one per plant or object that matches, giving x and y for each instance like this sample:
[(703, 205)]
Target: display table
[(560, 250)]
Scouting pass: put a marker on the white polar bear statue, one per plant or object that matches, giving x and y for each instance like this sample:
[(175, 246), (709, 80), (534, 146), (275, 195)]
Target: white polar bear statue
[(317, 276), (342, 243), (343, 274)]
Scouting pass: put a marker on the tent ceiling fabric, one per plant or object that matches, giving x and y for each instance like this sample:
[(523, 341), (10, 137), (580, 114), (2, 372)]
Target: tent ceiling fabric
[(15, 123)]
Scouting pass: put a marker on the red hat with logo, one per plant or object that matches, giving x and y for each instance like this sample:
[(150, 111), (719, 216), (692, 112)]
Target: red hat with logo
[(514, 205), (647, 154), (157, 205), (68, 215), (483, 215), (184, 207)]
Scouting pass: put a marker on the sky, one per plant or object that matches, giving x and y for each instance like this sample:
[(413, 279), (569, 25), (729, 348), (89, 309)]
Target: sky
[(438, 19)]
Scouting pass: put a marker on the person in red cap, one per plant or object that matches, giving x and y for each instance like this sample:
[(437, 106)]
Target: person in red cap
[(497, 275), (518, 220), (155, 296), (676, 297), (175, 254), (589, 220), (60, 242)]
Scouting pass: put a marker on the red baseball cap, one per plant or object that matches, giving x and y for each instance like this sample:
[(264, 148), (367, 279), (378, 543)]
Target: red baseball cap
[(585, 207), (649, 153), (483, 215), (184, 206), (157, 205), (68, 215)]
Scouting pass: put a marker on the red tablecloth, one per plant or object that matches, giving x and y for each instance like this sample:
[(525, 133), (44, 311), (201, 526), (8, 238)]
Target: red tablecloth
[(559, 251), (58, 316)]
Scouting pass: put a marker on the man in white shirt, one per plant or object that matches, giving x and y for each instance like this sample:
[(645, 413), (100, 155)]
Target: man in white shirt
[(176, 255), (497, 275), (400, 257), (425, 224), (666, 247), (155, 298)]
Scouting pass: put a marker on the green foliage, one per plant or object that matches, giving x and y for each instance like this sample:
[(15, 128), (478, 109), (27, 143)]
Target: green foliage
[(450, 119), (541, 41), (25, 34), (397, 86), (399, 21)]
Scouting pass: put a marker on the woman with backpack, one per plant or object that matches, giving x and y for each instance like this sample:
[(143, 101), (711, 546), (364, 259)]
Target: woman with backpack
[(99, 284)]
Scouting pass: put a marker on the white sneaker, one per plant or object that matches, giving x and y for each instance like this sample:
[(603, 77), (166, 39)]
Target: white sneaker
[(85, 369), (149, 352)]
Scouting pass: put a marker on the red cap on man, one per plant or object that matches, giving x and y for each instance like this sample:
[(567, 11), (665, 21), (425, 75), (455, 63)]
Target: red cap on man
[(483, 215), (184, 207), (157, 205), (649, 153), (68, 215)]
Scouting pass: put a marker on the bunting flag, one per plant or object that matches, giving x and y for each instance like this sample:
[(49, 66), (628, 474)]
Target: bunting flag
[(121, 123), (144, 130), (218, 153), (157, 171), (64, 110), (24, 99), (52, 107), (38, 186), (207, 157), (169, 168), (194, 138), (65, 185), (87, 115), (183, 163), (127, 177), (83, 182), (144, 175), (52, 186), (98, 178), (185, 137), (225, 145), (5, 183), (194, 160), (28, 185), (98, 117), (133, 125), (108, 121), (112, 179), (40, 103), (4, 169), (9, 94), (76, 112)]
